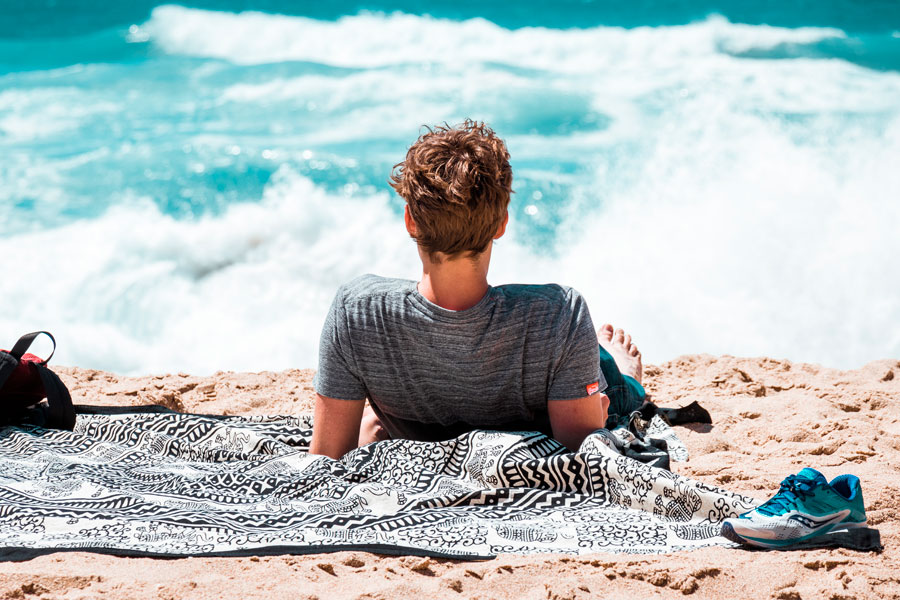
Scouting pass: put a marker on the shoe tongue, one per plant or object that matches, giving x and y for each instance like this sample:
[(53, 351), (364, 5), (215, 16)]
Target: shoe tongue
[(812, 476)]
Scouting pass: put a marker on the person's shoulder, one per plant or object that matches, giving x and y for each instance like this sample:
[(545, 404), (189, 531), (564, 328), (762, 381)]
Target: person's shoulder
[(368, 286), (550, 300), (547, 293), (547, 308)]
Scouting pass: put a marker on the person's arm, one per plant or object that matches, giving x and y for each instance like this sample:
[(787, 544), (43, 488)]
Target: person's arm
[(573, 416), (340, 392), (335, 426), (574, 420)]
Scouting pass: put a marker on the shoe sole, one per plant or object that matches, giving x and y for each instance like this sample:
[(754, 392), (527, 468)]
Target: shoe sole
[(856, 538)]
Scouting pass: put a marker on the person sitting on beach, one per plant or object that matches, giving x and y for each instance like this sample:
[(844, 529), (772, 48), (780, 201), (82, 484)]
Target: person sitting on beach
[(450, 353)]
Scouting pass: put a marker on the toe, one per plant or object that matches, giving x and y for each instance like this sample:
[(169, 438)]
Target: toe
[(633, 351), (606, 332), (619, 336), (627, 341)]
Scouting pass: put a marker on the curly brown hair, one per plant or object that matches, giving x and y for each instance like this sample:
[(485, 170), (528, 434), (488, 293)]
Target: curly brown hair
[(457, 183)]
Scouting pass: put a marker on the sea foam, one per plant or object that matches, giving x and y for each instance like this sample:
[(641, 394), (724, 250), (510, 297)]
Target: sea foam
[(372, 40), (138, 291), (704, 200)]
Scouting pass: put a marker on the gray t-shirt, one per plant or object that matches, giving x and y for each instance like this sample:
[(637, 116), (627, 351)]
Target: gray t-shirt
[(432, 373)]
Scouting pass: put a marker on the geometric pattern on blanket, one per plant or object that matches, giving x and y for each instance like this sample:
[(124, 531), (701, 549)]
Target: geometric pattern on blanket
[(186, 485)]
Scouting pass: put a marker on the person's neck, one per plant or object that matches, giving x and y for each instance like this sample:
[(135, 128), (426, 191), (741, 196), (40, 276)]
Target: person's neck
[(455, 284)]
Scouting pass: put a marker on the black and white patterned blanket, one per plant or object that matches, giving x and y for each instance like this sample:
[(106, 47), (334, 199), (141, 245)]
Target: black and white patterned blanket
[(176, 484)]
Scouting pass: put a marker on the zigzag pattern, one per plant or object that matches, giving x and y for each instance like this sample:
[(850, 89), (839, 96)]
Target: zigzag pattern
[(177, 485)]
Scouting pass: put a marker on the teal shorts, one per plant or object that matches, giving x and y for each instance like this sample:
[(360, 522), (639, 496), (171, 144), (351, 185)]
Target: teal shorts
[(625, 394)]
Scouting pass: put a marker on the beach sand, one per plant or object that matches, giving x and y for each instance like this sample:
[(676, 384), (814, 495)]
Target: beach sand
[(771, 418)]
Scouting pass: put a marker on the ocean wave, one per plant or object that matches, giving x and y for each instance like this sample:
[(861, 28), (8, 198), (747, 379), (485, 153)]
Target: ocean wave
[(372, 40), (139, 291), (195, 210), (755, 245), (741, 255)]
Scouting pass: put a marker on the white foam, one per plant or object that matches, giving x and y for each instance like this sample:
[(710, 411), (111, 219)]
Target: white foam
[(137, 291), (26, 115), (753, 246), (371, 40), (618, 69), (732, 206), (740, 255)]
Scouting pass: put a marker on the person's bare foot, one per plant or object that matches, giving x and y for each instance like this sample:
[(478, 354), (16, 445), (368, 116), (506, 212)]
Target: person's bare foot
[(623, 351)]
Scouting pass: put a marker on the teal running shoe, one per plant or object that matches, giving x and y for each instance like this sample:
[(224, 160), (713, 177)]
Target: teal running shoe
[(805, 507)]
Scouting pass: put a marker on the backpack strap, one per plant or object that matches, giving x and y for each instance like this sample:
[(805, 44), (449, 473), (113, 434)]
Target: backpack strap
[(25, 341), (60, 413)]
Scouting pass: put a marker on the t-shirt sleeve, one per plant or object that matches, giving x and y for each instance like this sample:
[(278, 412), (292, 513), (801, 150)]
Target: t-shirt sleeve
[(577, 372), (337, 376)]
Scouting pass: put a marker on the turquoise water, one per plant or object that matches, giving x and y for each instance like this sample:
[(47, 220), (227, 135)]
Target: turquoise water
[(183, 187)]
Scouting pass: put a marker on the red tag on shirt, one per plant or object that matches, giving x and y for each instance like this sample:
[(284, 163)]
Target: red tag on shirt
[(593, 388)]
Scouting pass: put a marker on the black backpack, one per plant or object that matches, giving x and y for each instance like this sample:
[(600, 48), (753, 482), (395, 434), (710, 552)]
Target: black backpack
[(25, 381)]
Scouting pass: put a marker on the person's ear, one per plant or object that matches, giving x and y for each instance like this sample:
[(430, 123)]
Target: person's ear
[(502, 229), (410, 224)]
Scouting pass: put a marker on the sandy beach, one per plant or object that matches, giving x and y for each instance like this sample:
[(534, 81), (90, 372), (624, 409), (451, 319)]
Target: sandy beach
[(771, 418)]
